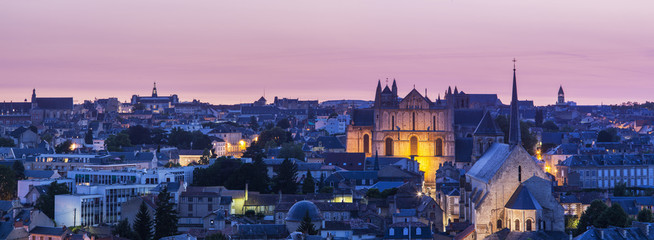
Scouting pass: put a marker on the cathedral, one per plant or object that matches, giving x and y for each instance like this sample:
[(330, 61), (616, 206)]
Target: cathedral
[(505, 188), (411, 127)]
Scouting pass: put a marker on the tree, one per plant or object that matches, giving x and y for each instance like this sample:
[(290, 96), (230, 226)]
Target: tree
[(216, 236), (64, 147), (373, 193), (46, 202), (306, 226), (286, 176), (204, 160), (550, 126), (165, 220), (19, 170), (254, 124), (123, 230), (539, 117), (7, 183), (143, 223), (259, 176), (139, 135), (326, 189), (309, 184), (590, 215), (388, 192), (620, 189), (613, 216), (290, 150), (273, 137), (115, 143), (283, 123), (644, 215), (217, 173), (138, 107), (608, 135), (88, 138), (6, 142), (528, 139)]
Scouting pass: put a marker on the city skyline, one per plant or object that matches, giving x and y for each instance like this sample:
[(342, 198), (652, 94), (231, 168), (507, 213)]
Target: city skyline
[(212, 51)]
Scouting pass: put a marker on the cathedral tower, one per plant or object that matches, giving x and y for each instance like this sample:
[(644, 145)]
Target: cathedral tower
[(561, 99)]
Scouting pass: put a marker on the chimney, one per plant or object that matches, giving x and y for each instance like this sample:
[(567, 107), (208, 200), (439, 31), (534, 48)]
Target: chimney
[(246, 192), (601, 234)]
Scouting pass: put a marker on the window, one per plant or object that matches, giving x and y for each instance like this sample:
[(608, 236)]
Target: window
[(433, 123), (405, 231), (418, 231), (438, 148), (414, 145), (391, 231), (414, 121), (392, 123), (517, 225), (389, 147), (519, 174), (366, 143), (210, 207), (499, 223), (528, 227), (190, 207)]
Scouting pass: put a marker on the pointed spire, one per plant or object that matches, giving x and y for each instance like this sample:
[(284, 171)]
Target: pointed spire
[(439, 99), (394, 89), (560, 89), (378, 94), (449, 90), (154, 90), (376, 164), (456, 91), (514, 121)]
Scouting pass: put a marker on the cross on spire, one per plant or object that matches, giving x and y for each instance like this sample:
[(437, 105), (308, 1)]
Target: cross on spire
[(514, 63)]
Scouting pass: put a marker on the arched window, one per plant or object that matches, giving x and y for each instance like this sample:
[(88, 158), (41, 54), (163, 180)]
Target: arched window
[(414, 145), (438, 147), (499, 224), (517, 225), (392, 123), (433, 123), (414, 121), (519, 173), (418, 231), (389, 147), (528, 227), (366, 143), (406, 231), (391, 231)]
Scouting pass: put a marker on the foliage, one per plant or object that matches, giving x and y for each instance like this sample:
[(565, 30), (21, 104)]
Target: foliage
[(326, 189), (172, 165), (64, 147), (143, 223), (217, 173), (88, 137), (6, 142), (139, 135), (19, 170), (46, 202), (254, 124), (216, 236), (613, 216), (608, 135), (204, 160), (165, 220), (283, 123), (285, 179), (620, 189), (7, 183), (539, 118), (306, 226), (123, 230), (188, 140), (389, 192), (309, 184), (591, 214), (550, 126), (571, 221), (116, 142), (138, 107), (273, 137), (528, 139), (644, 215), (47, 137), (290, 150), (373, 193)]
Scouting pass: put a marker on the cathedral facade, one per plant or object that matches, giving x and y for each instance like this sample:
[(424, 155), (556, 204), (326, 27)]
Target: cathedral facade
[(413, 127)]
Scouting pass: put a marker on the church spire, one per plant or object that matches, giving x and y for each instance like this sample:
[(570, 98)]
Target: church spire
[(154, 90), (514, 124), (394, 89), (378, 95)]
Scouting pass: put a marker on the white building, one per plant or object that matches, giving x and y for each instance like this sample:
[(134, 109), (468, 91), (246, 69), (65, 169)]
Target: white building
[(113, 196), (78, 210), (333, 125)]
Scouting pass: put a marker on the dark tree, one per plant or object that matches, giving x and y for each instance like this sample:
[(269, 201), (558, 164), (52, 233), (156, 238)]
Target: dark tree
[(217, 173), (283, 123), (309, 184), (88, 138), (587, 218), (259, 176), (19, 170), (608, 135), (373, 193), (644, 215), (165, 220), (388, 192), (306, 226), (204, 160), (217, 236), (620, 189), (539, 117), (290, 150), (326, 189), (138, 107), (503, 123), (285, 179), (143, 223), (321, 182), (529, 140), (7, 183), (6, 142), (550, 126), (64, 147), (254, 124), (159, 136), (613, 216), (188, 140), (139, 135), (123, 230), (115, 143), (273, 137), (46, 202)]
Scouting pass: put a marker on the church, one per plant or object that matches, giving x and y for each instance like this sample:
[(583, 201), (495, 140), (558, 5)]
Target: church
[(156, 103), (505, 188), (413, 127)]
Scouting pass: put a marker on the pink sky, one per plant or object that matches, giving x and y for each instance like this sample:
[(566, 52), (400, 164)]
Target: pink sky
[(230, 51)]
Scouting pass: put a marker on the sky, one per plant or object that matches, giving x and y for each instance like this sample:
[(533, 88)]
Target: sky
[(233, 51)]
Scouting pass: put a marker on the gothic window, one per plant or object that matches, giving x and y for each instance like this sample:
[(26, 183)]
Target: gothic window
[(414, 145), (366, 143), (517, 225), (519, 173), (528, 227), (389, 147), (499, 223), (392, 123), (438, 148), (418, 231), (414, 121), (391, 231), (406, 231)]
